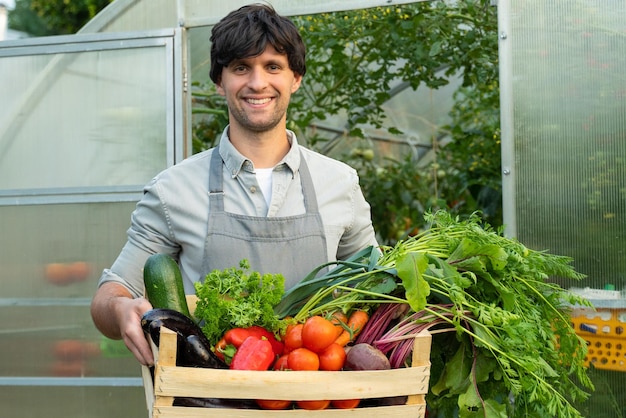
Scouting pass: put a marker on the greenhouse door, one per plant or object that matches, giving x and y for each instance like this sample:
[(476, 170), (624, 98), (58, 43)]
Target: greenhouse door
[(85, 122), (564, 162)]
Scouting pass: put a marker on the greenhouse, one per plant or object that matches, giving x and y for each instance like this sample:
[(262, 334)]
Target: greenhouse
[(88, 119)]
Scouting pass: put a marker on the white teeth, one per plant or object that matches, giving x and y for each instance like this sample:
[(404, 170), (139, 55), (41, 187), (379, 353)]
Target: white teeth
[(258, 101)]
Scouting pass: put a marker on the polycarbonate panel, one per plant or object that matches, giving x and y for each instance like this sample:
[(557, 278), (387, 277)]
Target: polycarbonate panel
[(90, 118), (564, 160), (569, 97), (50, 265), (73, 402), (135, 15)]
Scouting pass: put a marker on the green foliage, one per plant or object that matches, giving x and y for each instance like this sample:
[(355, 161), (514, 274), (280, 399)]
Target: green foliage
[(237, 297), (53, 17), (502, 344)]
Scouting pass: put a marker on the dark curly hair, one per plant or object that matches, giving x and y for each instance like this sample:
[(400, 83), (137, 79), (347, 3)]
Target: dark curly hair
[(245, 33)]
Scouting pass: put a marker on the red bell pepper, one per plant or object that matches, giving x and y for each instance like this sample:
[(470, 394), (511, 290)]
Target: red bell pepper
[(224, 350), (236, 337), (261, 332), (253, 354)]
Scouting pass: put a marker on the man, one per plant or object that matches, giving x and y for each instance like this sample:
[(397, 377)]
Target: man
[(257, 196)]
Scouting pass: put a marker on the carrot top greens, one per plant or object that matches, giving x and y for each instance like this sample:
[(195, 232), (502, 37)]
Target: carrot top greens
[(502, 345)]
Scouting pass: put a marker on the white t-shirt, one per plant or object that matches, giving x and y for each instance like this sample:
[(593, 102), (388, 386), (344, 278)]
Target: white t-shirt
[(264, 177)]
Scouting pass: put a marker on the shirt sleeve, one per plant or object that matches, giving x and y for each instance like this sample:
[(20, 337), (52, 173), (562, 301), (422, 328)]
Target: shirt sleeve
[(361, 232), (149, 233)]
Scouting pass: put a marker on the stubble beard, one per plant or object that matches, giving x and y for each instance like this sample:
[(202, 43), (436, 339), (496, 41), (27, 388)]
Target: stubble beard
[(242, 117)]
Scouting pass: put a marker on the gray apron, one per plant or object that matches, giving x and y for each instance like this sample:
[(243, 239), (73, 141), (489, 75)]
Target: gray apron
[(292, 245)]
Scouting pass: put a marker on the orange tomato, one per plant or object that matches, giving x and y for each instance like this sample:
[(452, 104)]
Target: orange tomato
[(293, 338), (332, 358), (68, 350), (57, 273), (313, 405), (345, 403), (78, 271), (303, 359), (273, 404), (318, 333)]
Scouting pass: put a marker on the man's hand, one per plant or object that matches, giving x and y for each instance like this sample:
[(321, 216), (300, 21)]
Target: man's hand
[(118, 316), (129, 313)]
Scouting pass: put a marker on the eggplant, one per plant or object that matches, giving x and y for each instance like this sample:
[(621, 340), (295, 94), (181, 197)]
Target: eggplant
[(216, 403), (192, 347)]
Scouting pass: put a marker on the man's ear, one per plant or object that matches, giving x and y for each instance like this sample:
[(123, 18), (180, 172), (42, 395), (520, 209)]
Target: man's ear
[(297, 80), (219, 88)]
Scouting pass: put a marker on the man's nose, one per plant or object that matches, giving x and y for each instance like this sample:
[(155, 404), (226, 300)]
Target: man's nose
[(258, 79)]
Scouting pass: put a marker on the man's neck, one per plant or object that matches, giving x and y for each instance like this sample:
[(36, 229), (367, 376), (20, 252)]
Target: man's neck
[(264, 149)]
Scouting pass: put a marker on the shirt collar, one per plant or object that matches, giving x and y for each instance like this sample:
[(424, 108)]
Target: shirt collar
[(236, 162)]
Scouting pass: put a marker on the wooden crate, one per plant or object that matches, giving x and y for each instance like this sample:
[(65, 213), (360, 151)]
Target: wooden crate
[(171, 381)]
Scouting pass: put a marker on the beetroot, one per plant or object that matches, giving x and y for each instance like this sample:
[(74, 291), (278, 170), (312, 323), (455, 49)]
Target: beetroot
[(364, 356)]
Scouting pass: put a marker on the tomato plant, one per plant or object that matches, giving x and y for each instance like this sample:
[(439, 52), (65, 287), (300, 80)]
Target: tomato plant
[(303, 359), (332, 358), (318, 333)]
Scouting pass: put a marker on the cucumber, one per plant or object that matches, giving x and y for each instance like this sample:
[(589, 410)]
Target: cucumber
[(164, 284)]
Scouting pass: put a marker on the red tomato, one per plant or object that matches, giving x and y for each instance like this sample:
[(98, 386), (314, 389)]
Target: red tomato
[(273, 404), (303, 359), (318, 333), (332, 358), (313, 405), (345, 403), (293, 338), (281, 363)]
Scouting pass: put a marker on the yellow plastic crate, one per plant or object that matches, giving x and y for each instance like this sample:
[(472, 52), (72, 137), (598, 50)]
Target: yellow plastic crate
[(604, 330)]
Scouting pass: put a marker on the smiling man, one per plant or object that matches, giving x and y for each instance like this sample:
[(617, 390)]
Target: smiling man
[(257, 196)]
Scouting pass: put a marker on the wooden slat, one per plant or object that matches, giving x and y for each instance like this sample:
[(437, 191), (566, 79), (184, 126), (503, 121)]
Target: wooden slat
[(212, 383), (397, 411), (171, 381), (421, 357)]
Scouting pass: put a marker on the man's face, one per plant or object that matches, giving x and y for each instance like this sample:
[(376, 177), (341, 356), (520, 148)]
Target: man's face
[(258, 89)]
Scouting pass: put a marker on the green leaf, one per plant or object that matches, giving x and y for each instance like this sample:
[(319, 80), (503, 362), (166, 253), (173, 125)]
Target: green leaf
[(455, 376), (410, 269), (435, 49), (475, 256), (492, 409)]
